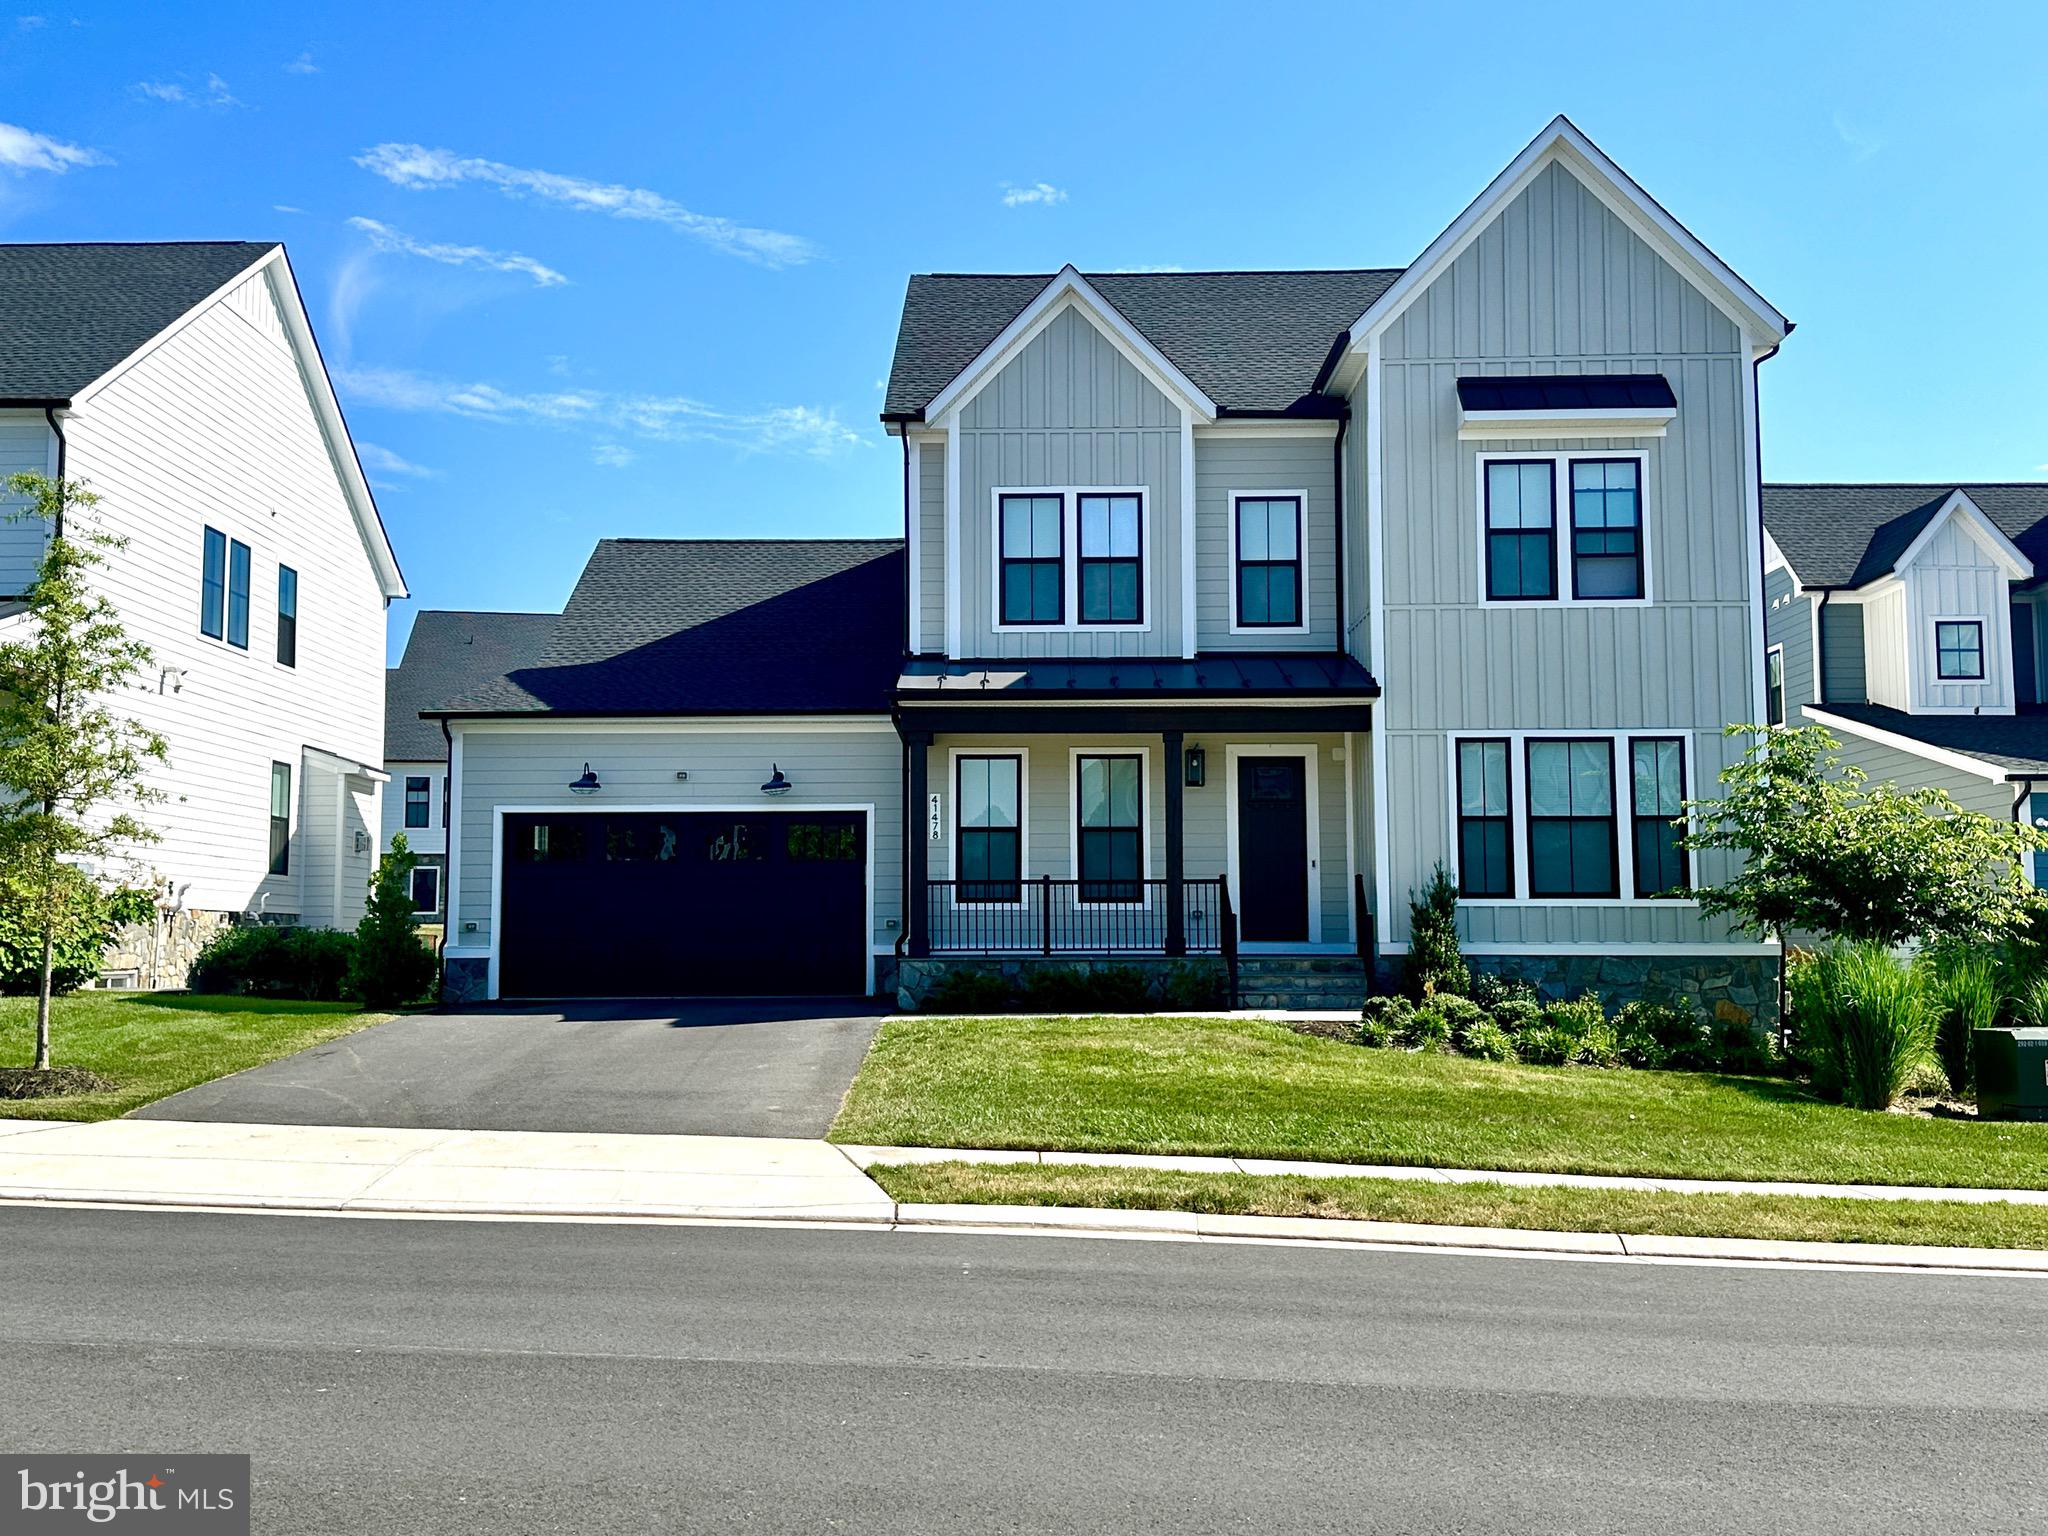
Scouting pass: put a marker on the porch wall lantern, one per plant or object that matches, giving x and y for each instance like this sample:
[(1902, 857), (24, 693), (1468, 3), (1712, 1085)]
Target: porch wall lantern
[(587, 785), (777, 784), (1196, 763)]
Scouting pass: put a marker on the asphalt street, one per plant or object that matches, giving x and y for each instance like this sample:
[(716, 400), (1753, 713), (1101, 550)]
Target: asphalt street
[(445, 1376)]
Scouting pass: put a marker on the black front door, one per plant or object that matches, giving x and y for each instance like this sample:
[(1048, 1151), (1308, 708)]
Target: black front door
[(1272, 849)]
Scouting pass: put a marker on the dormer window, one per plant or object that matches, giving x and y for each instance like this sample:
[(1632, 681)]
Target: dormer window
[(1959, 650)]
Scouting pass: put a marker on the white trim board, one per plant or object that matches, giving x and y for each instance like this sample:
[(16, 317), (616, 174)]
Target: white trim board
[(1311, 794), (1987, 533), (1502, 426)]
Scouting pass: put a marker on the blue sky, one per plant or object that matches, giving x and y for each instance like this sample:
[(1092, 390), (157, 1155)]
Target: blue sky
[(635, 269)]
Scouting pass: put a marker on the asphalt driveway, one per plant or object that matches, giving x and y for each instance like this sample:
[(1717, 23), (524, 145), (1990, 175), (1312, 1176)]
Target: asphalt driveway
[(721, 1068)]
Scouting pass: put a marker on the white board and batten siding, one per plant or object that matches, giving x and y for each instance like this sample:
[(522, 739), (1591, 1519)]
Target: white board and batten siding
[(215, 427), (1953, 577), (849, 763), (27, 446), (1557, 283)]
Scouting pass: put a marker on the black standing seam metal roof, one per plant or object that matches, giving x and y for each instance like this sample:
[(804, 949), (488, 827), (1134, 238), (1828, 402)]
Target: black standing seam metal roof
[(1567, 392), (450, 653), (1133, 679), (716, 627), (1254, 342), (1847, 535), (69, 313), (2016, 743)]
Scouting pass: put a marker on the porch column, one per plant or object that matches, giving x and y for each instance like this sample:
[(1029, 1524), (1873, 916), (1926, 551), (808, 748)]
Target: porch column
[(1176, 864), (917, 847)]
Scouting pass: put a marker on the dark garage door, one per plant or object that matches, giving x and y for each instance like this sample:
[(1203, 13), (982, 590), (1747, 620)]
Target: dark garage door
[(718, 904)]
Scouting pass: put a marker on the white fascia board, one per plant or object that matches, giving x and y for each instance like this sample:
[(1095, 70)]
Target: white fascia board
[(2017, 566), (1962, 762), (1562, 140), (1588, 422), (334, 762), (1069, 286), (1774, 560)]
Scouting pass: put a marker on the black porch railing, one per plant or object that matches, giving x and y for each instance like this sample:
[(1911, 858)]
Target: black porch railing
[(1074, 917)]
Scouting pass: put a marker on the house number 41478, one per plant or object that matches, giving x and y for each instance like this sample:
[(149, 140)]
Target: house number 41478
[(934, 823)]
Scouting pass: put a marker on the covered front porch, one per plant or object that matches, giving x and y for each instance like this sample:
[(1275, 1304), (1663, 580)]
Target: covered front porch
[(1134, 808)]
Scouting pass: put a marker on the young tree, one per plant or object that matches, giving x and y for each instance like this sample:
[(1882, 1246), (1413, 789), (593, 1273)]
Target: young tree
[(1826, 852), (1435, 964), (390, 965), (72, 767)]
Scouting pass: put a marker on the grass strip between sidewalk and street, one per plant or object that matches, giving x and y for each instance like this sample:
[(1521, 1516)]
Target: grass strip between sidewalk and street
[(1791, 1218), (1251, 1088), (152, 1044)]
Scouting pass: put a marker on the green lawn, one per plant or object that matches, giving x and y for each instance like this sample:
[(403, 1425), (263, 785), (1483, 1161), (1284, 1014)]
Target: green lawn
[(1245, 1088), (155, 1043), (1946, 1223)]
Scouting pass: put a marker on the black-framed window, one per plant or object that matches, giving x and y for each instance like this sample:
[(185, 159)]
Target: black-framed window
[(426, 888), (989, 795), (213, 584), (418, 801), (1268, 535), (1521, 529), (1607, 528), (238, 594), (1657, 791), (1774, 685), (1033, 556), (280, 818), (287, 616), (1485, 812), (1572, 842), (1109, 807), (1959, 650), (1111, 558)]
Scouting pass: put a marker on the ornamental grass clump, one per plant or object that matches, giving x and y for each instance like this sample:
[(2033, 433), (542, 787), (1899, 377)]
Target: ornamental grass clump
[(1864, 1022), (1967, 994)]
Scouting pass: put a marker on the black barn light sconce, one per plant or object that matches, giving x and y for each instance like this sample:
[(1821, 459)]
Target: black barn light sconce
[(1196, 763), (587, 785), (777, 785)]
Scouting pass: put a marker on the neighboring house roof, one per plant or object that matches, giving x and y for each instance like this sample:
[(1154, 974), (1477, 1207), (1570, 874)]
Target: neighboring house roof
[(2017, 744), (1137, 678), (448, 654), (1848, 535), (717, 627), (70, 313), (1254, 342)]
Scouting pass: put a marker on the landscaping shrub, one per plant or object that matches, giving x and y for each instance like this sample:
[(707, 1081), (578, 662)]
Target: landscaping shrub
[(1487, 1041), (1194, 988), (1739, 1047), (1571, 1034), (1069, 989), (263, 960), (1967, 995), (95, 917), (1434, 963), (1384, 1021), (965, 991), (1429, 1029), (1862, 1022), (1490, 991), (1518, 1014), (1669, 1035)]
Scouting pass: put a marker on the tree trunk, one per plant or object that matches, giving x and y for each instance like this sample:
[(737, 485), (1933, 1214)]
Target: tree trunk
[(43, 998)]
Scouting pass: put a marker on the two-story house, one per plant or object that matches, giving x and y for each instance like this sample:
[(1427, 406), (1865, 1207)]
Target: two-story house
[(1911, 622), (182, 384), (1229, 604)]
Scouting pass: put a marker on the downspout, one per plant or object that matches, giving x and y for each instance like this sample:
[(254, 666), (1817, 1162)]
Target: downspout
[(1820, 645), (1337, 499), (903, 435), (63, 452), (449, 839), (1763, 580)]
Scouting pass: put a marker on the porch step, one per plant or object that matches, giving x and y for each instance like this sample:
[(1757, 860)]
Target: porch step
[(1302, 983)]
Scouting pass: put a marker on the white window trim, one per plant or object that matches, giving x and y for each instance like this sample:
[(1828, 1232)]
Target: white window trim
[(1233, 753), (1984, 639), (1023, 756), (1300, 499), (1561, 525), (435, 870), (1070, 559), (1518, 806), (404, 790), (1784, 692), (1145, 810)]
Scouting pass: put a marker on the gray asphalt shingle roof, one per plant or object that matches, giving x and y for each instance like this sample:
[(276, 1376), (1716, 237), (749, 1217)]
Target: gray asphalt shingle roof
[(2016, 743), (68, 313), (1251, 341), (1846, 535), (450, 653), (717, 626)]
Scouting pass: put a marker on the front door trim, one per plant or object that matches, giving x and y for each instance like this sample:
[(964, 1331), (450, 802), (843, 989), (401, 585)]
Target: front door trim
[(667, 808), (1309, 756)]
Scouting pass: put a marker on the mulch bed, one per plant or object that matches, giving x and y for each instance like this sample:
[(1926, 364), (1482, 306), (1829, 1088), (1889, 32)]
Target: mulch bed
[(55, 1082)]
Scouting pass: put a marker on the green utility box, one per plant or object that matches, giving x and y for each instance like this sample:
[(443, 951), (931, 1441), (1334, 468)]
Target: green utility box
[(2012, 1073)]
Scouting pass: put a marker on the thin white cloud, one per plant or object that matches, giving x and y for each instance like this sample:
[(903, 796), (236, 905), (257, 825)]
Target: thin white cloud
[(384, 238), (1037, 192), (285, 208), (29, 23), (416, 167), (1861, 141), (163, 90), (661, 418), (378, 460), (213, 93), (1159, 266), (22, 150), (302, 65), (612, 455)]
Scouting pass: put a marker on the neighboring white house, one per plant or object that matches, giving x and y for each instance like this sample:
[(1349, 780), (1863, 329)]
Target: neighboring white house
[(447, 654), (182, 383)]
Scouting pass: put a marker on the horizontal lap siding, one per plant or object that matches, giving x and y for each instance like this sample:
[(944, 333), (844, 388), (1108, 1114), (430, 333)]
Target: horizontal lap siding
[(1788, 621), (1889, 765), (1227, 464), (638, 769), (1841, 630), (216, 428), (1069, 410), (26, 447), (1558, 284), (931, 549)]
